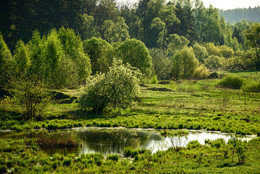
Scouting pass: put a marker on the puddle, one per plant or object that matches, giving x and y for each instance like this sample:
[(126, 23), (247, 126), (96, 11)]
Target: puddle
[(114, 141)]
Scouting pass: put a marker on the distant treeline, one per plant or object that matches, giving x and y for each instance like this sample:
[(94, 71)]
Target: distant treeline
[(236, 15)]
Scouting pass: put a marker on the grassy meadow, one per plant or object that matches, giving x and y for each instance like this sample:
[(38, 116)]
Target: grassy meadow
[(184, 104)]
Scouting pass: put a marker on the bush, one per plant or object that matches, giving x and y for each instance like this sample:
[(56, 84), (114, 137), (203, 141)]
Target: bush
[(193, 144), (213, 62), (201, 72), (232, 82), (161, 64), (252, 87), (135, 53), (31, 95), (66, 162), (117, 88), (113, 157), (217, 143)]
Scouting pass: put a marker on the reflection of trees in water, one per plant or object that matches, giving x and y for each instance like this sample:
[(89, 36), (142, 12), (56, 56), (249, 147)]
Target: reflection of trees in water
[(112, 141), (61, 150)]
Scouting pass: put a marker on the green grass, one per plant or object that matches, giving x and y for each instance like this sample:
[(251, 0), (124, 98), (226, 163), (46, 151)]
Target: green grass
[(186, 104)]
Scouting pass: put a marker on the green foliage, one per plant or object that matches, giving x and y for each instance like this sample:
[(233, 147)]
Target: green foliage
[(117, 88), (184, 63), (52, 54), (233, 82), (217, 143), (36, 48), (251, 87), (253, 36), (201, 72), (213, 62), (31, 95), (135, 53), (167, 15), (77, 63), (101, 54), (226, 51), (194, 144), (115, 31), (161, 64), (129, 152), (177, 42), (239, 148), (22, 58), (200, 52), (212, 49), (67, 162), (6, 62), (87, 27), (113, 157)]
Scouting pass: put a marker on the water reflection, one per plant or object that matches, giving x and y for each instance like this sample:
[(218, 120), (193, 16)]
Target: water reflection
[(114, 141)]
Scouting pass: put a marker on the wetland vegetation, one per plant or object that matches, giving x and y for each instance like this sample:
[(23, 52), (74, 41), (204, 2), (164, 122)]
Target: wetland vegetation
[(93, 86)]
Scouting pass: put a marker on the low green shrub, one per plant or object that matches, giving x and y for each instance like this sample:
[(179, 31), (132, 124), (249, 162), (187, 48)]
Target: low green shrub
[(232, 82), (3, 169), (217, 143), (113, 157), (252, 87), (193, 144), (66, 162)]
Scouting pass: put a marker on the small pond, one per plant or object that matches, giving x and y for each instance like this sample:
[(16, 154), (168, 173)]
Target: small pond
[(114, 141)]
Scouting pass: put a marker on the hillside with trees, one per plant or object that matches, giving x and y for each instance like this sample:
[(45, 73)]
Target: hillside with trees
[(237, 15)]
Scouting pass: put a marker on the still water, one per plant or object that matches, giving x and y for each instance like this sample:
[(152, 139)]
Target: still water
[(114, 141)]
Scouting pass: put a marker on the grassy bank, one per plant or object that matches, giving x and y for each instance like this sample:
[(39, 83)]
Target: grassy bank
[(190, 104)]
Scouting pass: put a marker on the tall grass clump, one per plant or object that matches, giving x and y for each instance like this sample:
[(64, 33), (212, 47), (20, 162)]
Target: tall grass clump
[(232, 82), (252, 87), (57, 139)]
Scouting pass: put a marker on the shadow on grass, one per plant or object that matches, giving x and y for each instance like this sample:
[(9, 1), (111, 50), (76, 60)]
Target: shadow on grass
[(88, 115), (9, 115)]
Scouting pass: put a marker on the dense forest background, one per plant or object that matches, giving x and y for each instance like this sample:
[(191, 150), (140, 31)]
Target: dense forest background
[(151, 21), (62, 42)]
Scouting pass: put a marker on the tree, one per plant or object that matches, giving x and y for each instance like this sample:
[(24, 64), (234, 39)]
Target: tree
[(253, 39), (87, 27), (52, 54), (200, 52), (213, 62), (22, 58), (6, 62), (101, 54), (177, 42), (207, 24), (117, 88), (73, 49), (186, 27), (115, 31), (31, 95), (135, 53), (212, 49), (226, 51), (184, 63), (36, 49), (161, 63), (167, 15)]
